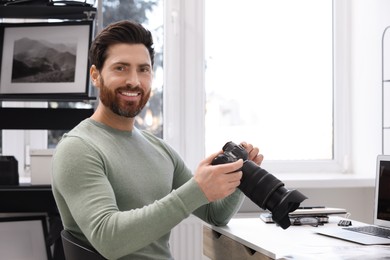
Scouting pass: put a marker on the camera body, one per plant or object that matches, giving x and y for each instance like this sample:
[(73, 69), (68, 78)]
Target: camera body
[(261, 187)]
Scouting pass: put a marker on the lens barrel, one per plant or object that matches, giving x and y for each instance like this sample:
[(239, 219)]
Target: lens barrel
[(268, 192), (264, 189)]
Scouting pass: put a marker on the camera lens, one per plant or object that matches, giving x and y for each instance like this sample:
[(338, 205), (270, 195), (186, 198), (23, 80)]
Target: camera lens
[(261, 187), (268, 192)]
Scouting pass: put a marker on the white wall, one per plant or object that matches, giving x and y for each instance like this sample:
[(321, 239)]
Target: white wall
[(369, 19)]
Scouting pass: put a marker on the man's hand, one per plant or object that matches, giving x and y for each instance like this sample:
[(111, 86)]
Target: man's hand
[(218, 181), (253, 153)]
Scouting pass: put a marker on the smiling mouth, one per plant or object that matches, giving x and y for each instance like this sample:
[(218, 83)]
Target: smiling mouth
[(130, 94)]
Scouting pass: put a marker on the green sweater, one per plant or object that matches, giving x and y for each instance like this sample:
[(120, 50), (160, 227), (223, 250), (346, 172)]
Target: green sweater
[(123, 192)]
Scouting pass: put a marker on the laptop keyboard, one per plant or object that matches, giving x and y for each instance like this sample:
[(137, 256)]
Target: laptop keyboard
[(371, 230)]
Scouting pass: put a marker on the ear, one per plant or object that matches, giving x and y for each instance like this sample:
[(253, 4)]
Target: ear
[(95, 76)]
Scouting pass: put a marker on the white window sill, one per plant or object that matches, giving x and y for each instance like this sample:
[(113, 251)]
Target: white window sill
[(325, 180)]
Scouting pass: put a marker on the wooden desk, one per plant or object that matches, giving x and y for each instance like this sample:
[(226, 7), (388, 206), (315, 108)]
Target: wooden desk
[(252, 239)]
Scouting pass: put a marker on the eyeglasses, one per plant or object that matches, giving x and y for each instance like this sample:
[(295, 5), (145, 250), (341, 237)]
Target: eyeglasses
[(312, 221)]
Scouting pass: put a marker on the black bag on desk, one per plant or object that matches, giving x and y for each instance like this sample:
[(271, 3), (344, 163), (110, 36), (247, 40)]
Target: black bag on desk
[(9, 174)]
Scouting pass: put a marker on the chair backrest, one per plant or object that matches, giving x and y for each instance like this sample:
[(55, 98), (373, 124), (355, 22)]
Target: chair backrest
[(74, 249)]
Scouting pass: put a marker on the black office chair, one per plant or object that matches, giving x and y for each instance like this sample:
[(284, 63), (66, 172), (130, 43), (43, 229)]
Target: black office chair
[(74, 249)]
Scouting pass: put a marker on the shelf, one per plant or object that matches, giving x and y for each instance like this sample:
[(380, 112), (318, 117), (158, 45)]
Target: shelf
[(46, 97), (78, 12), (43, 118)]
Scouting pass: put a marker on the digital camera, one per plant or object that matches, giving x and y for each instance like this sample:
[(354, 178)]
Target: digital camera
[(261, 187)]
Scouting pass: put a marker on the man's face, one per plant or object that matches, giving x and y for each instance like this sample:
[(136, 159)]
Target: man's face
[(125, 79)]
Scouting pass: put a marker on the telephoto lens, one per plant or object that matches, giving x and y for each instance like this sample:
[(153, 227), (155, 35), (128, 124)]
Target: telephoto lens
[(261, 187)]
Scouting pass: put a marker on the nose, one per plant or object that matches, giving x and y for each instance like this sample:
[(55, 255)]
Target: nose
[(132, 78)]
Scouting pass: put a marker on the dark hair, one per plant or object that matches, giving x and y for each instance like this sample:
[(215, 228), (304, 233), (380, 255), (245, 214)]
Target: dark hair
[(119, 32)]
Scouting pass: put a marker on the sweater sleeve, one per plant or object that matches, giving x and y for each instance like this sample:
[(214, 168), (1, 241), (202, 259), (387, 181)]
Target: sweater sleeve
[(220, 212), (88, 205)]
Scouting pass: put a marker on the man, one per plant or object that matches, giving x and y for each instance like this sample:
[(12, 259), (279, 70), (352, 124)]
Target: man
[(121, 189)]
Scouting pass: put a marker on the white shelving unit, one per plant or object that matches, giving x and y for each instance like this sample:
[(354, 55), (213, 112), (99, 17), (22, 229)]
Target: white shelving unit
[(386, 91)]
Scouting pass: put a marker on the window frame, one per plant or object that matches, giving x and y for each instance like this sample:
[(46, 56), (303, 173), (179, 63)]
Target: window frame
[(184, 98)]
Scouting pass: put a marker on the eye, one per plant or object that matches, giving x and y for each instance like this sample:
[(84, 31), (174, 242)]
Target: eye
[(145, 69), (120, 68)]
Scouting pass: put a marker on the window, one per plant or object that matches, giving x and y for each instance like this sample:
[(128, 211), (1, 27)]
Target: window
[(269, 77)]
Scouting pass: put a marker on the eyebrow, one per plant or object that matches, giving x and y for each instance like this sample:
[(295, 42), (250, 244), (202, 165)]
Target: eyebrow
[(129, 64)]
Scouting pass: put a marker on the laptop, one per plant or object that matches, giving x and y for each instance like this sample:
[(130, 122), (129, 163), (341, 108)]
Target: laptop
[(361, 234)]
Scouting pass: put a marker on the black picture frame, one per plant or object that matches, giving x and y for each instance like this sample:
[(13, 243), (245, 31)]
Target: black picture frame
[(45, 61)]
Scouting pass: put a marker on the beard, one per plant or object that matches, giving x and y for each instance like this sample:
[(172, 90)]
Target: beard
[(128, 109)]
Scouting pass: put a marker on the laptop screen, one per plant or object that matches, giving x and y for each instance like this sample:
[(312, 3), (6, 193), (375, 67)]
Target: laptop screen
[(382, 191)]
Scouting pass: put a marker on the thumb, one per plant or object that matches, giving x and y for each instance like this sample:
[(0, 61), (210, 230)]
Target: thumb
[(211, 157)]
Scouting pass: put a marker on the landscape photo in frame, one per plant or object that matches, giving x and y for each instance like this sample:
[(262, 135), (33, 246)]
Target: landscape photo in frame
[(45, 58)]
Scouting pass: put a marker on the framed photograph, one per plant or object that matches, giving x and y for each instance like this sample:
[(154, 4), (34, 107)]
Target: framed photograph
[(45, 59)]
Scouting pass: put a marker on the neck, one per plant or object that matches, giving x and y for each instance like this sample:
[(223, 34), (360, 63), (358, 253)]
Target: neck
[(105, 116)]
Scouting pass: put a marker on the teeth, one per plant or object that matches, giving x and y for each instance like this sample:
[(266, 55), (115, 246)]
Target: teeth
[(130, 94)]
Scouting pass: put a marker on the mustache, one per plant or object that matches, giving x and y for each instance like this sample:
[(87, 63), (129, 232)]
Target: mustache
[(129, 88)]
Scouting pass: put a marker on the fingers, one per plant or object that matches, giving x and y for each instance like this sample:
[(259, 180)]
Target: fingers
[(253, 153), (223, 184), (210, 158), (230, 167), (218, 181)]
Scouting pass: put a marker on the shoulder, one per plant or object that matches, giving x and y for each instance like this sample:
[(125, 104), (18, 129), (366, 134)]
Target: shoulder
[(150, 136), (160, 145), (77, 141), (155, 140)]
